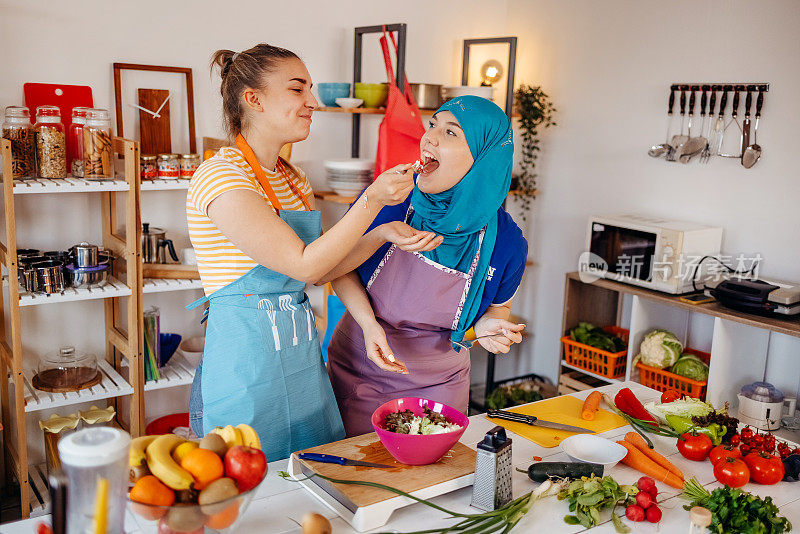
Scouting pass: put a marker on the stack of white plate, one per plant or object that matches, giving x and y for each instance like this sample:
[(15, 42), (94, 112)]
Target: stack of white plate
[(348, 177)]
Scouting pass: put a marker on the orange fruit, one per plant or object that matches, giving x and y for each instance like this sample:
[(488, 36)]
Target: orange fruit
[(150, 490), (204, 465), (225, 518)]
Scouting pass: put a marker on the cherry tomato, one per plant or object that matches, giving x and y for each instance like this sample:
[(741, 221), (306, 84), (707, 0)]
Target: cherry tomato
[(695, 446), (769, 443), (736, 439), (670, 395), (732, 472), (758, 440), (796, 451), (720, 452), (744, 449), (764, 468), (746, 432)]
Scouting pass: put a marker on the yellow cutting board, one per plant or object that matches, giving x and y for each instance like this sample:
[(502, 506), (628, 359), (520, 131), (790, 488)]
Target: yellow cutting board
[(564, 409)]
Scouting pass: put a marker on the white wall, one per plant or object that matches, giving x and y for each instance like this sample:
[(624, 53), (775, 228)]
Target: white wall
[(607, 66)]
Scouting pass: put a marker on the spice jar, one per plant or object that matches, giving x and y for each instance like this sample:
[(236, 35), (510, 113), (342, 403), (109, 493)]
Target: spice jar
[(148, 167), (51, 143), (169, 167), (75, 141), (189, 164), (97, 149), (17, 128)]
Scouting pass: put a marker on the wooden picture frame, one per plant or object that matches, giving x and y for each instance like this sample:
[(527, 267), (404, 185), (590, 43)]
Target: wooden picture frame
[(186, 71)]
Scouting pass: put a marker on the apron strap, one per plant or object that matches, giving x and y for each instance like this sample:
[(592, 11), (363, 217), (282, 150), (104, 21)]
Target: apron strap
[(198, 302), (261, 176)]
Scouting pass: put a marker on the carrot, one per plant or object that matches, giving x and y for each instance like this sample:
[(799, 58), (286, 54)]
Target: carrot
[(590, 405), (637, 441), (639, 461)]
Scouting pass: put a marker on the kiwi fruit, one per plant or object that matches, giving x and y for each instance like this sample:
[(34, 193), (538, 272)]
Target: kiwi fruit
[(185, 518), (220, 490), (215, 443)]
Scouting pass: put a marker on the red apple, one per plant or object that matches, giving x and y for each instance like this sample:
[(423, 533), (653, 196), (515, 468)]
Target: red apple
[(246, 465)]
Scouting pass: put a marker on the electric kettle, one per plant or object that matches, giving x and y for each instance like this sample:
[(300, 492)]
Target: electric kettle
[(155, 244), (761, 406)]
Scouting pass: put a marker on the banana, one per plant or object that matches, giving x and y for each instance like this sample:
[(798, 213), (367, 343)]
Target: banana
[(138, 446), (231, 435), (183, 449), (250, 436), (161, 464)]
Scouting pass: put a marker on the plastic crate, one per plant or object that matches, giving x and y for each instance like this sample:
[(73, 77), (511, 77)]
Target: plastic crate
[(597, 361), (662, 380)]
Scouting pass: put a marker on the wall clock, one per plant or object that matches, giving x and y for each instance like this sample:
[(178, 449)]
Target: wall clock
[(155, 126)]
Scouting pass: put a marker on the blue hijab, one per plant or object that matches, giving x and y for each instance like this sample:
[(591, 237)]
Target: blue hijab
[(460, 213)]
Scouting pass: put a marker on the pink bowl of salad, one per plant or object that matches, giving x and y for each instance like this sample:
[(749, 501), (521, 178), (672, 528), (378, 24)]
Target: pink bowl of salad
[(418, 431)]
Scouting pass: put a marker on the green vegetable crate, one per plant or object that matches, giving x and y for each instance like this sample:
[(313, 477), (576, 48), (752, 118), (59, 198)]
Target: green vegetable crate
[(662, 380), (594, 360)]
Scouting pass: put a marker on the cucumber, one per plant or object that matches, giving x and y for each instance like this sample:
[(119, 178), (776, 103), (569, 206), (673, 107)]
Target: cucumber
[(541, 471)]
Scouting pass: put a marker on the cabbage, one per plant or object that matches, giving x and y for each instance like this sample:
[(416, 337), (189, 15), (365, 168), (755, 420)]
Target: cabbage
[(685, 407), (659, 349), (692, 367)]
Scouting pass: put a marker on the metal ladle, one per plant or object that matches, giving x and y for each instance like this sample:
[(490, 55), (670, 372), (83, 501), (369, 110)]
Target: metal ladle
[(752, 153), (656, 151)]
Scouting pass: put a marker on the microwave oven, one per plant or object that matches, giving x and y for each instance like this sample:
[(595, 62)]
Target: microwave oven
[(651, 252)]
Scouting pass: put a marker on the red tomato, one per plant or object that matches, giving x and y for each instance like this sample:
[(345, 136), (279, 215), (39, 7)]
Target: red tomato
[(764, 468), (670, 395), (695, 446), (746, 432), (732, 472), (721, 452)]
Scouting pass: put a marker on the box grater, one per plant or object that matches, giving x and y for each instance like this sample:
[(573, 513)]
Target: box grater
[(492, 489)]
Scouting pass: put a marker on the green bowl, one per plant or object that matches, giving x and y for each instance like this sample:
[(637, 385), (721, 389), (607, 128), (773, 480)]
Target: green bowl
[(373, 94)]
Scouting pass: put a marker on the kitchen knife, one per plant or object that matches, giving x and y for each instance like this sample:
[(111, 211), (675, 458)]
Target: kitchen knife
[(329, 459), (535, 421)]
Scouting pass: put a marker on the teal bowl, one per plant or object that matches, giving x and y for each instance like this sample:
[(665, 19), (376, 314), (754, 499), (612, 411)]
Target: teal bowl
[(329, 92), (374, 95)]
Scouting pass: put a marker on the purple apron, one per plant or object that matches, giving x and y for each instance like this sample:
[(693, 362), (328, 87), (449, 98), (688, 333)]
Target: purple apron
[(417, 302)]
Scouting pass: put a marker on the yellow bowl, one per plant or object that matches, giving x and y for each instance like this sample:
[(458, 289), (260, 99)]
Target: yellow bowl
[(373, 94)]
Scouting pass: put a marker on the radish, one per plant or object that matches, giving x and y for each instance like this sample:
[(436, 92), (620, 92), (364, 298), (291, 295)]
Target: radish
[(644, 499), (649, 485), (653, 514), (635, 512)]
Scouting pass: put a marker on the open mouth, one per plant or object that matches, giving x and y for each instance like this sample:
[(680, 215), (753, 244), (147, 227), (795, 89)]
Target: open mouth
[(428, 163)]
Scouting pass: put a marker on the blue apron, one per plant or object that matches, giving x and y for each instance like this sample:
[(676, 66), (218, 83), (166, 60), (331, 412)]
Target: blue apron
[(262, 363)]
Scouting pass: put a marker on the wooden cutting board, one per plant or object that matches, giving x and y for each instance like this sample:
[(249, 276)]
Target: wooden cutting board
[(170, 270), (565, 409), (460, 461)]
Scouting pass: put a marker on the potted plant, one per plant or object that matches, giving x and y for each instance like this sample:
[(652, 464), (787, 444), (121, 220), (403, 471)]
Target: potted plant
[(535, 111)]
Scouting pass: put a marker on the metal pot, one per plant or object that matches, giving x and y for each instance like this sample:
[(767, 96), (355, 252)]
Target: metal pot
[(51, 275), (26, 272), (427, 95), (25, 252), (154, 245), (63, 256), (85, 254), (86, 276)]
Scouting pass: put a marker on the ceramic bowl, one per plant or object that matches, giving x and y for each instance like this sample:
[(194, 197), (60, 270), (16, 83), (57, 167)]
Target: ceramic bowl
[(373, 94), (329, 92), (417, 449), (593, 449), (349, 103), (192, 349)]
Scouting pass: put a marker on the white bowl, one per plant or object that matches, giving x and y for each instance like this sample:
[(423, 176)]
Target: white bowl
[(192, 349), (350, 164), (453, 91), (349, 103), (593, 449)]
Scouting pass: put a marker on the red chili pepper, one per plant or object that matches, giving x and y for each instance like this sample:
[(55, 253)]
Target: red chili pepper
[(627, 403)]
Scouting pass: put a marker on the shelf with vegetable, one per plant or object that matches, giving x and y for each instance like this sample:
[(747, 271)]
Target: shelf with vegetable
[(597, 351)]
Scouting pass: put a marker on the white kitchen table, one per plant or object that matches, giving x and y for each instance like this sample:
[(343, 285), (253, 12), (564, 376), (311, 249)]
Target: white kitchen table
[(279, 505)]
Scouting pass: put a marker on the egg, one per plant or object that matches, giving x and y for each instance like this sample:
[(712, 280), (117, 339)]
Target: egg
[(316, 524)]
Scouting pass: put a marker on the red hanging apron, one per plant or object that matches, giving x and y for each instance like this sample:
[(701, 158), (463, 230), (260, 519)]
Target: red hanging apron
[(401, 130)]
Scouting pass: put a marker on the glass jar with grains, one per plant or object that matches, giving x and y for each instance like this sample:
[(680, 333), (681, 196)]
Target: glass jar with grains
[(98, 162), (51, 143), (75, 141), (17, 128)]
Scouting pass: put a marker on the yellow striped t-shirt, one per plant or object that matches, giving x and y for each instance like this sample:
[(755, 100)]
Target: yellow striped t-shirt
[(218, 260)]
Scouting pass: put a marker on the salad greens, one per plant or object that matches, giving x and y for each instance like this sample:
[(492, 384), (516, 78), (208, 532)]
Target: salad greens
[(735, 510), (685, 407), (596, 337), (589, 495)]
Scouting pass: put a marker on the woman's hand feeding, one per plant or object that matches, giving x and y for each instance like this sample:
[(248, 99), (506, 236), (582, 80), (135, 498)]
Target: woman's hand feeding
[(392, 187)]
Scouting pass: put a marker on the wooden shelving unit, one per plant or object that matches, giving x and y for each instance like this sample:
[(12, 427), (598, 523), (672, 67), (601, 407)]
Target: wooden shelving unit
[(123, 340), (740, 342)]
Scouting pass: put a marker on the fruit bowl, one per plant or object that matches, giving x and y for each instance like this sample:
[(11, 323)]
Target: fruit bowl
[(222, 516), (418, 449)]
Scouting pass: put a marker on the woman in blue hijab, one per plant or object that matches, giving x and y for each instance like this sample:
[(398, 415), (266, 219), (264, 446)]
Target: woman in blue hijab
[(415, 293)]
